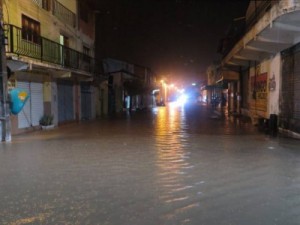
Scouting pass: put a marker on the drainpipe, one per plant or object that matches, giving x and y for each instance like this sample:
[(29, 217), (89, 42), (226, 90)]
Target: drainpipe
[(4, 114)]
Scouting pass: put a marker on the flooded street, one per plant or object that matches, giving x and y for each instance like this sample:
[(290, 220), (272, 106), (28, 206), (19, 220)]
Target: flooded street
[(169, 166)]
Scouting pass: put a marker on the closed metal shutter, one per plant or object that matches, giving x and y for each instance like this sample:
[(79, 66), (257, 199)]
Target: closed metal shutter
[(24, 117), (297, 86), (37, 102), (289, 117), (34, 107), (65, 101), (245, 89), (86, 102), (287, 87)]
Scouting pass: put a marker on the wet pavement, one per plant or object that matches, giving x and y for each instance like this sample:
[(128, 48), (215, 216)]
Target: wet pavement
[(169, 166)]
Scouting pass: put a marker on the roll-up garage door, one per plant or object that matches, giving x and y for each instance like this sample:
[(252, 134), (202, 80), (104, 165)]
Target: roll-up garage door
[(65, 101), (37, 104), (34, 107), (289, 117), (86, 102)]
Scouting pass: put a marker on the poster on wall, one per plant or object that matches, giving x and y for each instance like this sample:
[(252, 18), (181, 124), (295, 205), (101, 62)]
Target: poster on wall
[(259, 87)]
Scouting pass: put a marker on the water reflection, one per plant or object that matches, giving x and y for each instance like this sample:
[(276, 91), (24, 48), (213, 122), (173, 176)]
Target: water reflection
[(173, 164), (177, 166)]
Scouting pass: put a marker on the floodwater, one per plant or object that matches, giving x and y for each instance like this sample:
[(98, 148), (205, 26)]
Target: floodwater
[(169, 166)]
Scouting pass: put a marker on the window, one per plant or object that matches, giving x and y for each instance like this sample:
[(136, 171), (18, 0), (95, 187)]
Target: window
[(31, 30), (46, 4), (86, 54), (83, 12), (86, 50)]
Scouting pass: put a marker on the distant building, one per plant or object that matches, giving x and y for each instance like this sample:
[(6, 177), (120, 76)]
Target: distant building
[(127, 87)]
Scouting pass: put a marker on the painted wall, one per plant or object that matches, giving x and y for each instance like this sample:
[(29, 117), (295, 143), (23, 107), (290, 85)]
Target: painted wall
[(258, 86), (264, 85), (273, 84)]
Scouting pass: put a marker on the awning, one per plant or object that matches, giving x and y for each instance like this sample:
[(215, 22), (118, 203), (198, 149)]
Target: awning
[(15, 65), (214, 86), (268, 36), (70, 75), (24, 69), (228, 75)]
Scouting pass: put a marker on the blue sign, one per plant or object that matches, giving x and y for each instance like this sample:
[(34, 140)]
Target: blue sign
[(18, 98)]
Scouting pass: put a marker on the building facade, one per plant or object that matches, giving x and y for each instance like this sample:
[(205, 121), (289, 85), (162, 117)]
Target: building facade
[(266, 60), (127, 87), (49, 51)]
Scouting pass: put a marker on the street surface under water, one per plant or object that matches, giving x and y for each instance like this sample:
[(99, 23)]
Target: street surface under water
[(168, 166)]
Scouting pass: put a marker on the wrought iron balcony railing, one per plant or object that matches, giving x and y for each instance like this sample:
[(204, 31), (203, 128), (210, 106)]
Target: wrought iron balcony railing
[(46, 50), (63, 14), (60, 11)]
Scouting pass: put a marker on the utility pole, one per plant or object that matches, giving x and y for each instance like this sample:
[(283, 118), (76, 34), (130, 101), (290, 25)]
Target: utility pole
[(4, 106)]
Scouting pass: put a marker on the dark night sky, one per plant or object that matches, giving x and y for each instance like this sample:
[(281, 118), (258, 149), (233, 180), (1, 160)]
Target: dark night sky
[(178, 38)]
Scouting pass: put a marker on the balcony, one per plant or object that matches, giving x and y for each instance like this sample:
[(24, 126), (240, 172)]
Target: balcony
[(63, 14), (60, 11), (45, 50), (276, 29)]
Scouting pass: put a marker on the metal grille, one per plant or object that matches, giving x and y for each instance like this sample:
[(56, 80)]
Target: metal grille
[(289, 117), (297, 86)]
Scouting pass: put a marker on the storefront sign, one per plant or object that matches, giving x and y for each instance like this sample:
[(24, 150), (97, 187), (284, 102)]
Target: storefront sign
[(259, 86)]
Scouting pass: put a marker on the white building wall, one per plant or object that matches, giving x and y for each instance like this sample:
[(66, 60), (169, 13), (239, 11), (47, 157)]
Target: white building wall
[(274, 81)]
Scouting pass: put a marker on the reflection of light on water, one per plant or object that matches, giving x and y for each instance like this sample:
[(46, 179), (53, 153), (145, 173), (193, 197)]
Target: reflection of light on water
[(169, 146), (173, 160)]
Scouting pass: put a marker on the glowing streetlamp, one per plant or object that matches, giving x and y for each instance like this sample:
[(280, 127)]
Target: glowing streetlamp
[(163, 91)]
